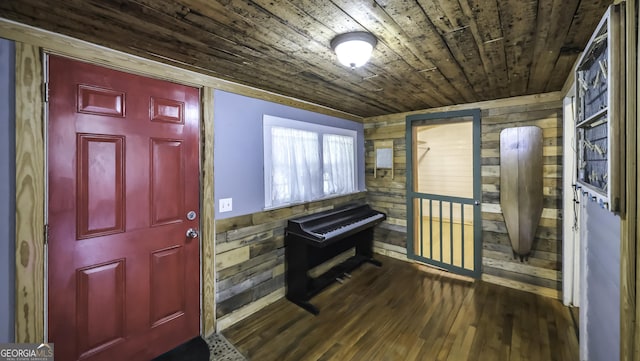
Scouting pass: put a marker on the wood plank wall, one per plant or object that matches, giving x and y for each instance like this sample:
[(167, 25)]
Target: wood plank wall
[(250, 258), (542, 272)]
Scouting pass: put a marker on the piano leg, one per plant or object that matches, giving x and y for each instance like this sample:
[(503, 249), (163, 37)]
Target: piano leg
[(375, 262), (306, 305), (364, 247)]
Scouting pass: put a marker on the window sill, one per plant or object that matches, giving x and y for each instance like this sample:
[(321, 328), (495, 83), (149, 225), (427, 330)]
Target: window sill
[(289, 205)]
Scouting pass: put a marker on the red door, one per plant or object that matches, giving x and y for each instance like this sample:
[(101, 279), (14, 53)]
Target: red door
[(123, 176)]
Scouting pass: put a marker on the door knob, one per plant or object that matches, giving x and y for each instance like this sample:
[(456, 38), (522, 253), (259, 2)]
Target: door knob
[(192, 233), (477, 203)]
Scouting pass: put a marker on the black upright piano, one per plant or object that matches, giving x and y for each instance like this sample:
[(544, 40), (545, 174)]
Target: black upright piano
[(313, 239)]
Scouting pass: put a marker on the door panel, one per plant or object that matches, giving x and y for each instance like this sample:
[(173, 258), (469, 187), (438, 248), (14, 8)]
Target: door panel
[(444, 189), (167, 110), (101, 183), (167, 181), (94, 100), (123, 173), (167, 274), (100, 291)]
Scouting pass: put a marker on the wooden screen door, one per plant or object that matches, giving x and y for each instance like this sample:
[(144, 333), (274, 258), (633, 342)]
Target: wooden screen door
[(444, 190), (123, 177)]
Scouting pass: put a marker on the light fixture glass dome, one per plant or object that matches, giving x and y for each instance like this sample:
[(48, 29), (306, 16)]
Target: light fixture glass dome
[(353, 49)]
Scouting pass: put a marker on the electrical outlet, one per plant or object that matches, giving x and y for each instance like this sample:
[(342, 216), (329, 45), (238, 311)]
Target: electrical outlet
[(226, 205)]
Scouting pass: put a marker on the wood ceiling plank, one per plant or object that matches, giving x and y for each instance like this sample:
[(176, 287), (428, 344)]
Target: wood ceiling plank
[(418, 29), (586, 16), (101, 29), (454, 27), (518, 20), (241, 27), (240, 31), (410, 19), (564, 65), (180, 14), (543, 27), (584, 22), (551, 32), (298, 20), (485, 26)]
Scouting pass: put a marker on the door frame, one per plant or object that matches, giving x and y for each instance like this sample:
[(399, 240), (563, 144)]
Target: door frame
[(475, 114)]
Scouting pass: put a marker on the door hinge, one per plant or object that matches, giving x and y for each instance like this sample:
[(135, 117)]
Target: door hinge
[(46, 234), (45, 92)]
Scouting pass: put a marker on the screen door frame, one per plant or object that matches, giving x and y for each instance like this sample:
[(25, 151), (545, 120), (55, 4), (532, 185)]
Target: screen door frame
[(442, 118)]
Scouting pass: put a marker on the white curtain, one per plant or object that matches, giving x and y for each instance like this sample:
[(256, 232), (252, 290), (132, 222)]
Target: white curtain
[(339, 164), (295, 166)]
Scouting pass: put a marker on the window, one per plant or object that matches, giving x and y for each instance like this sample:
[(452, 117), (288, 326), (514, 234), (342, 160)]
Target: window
[(305, 161), (339, 168), (295, 166)]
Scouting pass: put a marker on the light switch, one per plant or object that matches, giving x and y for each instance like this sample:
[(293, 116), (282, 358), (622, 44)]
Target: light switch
[(226, 205)]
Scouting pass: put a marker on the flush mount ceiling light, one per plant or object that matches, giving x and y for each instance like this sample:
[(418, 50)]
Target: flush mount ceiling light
[(354, 49)]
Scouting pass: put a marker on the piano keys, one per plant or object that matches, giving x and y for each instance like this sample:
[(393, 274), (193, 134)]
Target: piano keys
[(314, 239)]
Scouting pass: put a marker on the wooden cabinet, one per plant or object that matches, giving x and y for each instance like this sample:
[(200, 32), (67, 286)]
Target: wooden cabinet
[(600, 104)]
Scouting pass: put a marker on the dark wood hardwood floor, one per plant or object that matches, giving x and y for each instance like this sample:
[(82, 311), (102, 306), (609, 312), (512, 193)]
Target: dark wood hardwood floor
[(401, 312)]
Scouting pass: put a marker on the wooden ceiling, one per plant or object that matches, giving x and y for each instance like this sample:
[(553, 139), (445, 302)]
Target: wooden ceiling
[(430, 53)]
